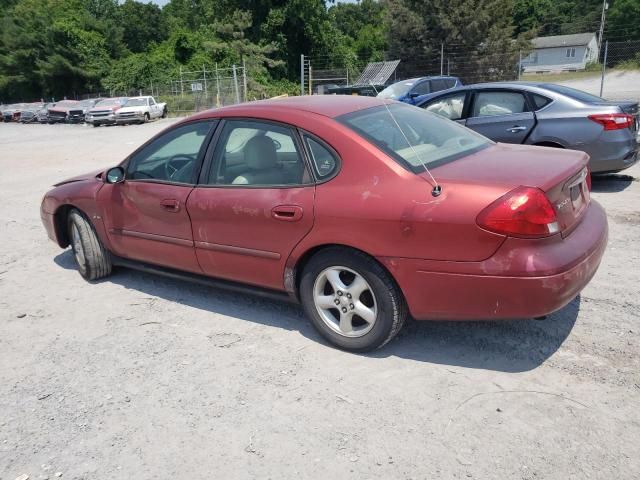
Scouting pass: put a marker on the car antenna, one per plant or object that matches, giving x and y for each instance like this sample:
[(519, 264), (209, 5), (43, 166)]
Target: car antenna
[(437, 189)]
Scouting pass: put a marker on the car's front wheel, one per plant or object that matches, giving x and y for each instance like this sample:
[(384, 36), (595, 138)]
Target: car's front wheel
[(351, 299), (92, 258)]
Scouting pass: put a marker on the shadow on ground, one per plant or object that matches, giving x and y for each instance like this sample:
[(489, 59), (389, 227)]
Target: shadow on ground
[(612, 182), (508, 345)]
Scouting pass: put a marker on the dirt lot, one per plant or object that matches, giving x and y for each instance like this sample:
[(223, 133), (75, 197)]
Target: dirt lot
[(148, 378)]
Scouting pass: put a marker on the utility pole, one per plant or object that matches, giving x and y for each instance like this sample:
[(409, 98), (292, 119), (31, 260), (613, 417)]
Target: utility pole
[(604, 65), (442, 58), (244, 78), (302, 74), (603, 17), (235, 83)]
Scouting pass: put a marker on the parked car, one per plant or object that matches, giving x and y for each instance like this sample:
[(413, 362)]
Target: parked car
[(104, 112), (60, 112), (548, 115), (416, 90), (140, 110), (8, 111), (28, 112), (78, 113), (322, 199), (43, 113)]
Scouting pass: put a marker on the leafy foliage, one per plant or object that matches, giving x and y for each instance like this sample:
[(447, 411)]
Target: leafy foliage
[(53, 48)]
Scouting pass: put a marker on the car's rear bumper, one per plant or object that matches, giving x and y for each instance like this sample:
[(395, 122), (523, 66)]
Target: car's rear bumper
[(613, 151), (523, 279)]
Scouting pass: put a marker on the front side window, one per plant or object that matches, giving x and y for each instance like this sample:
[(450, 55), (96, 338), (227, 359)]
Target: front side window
[(449, 107), (437, 85), (423, 139), (489, 104), (257, 153), (172, 157), (422, 88)]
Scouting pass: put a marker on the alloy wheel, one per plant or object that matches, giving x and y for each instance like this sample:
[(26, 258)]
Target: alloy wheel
[(345, 301)]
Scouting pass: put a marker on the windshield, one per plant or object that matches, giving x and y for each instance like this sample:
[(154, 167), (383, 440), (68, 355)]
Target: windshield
[(136, 102), (573, 93), (433, 140), (397, 90), (109, 102)]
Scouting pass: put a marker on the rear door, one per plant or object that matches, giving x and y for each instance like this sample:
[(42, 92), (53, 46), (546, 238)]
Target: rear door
[(503, 115), (253, 204)]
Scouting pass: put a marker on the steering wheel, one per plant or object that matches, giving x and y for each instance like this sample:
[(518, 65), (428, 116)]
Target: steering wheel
[(276, 144), (176, 163)]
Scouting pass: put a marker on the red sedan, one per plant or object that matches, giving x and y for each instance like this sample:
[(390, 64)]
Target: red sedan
[(366, 211)]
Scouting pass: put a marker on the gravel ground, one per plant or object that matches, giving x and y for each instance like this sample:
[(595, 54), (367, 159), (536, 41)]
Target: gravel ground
[(144, 377)]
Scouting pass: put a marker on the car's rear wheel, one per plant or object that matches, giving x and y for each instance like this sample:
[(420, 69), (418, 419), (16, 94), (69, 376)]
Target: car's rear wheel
[(92, 258), (351, 299), (164, 112)]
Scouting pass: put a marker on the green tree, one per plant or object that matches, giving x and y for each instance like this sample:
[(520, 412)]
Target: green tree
[(143, 24)]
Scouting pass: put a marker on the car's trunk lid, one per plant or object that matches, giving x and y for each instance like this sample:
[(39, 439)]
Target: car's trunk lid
[(561, 174)]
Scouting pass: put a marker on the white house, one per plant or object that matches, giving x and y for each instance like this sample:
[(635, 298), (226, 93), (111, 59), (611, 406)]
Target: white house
[(561, 53)]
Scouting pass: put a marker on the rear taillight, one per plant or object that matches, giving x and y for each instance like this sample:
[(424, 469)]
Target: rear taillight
[(613, 121), (588, 178), (523, 212)]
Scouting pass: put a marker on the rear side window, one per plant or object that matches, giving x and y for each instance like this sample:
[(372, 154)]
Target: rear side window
[(437, 85), (324, 161), (540, 101), (488, 104)]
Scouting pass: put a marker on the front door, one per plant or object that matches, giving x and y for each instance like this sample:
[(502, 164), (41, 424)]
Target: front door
[(146, 216), (254, 205), (501, 115)]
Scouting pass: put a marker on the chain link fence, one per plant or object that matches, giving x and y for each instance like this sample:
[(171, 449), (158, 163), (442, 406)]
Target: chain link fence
[(613, 72)]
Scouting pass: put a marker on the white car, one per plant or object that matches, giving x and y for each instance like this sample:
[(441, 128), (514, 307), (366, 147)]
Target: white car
[(140, 110)]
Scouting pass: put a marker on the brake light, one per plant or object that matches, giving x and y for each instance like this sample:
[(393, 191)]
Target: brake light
[(613, 121), (523, 212)]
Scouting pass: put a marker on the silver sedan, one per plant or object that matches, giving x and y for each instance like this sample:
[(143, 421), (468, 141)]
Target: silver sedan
[(548, 115)]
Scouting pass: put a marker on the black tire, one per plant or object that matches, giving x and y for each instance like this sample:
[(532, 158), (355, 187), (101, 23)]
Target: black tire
[(95, 124), (146, 118), (391, 306), (164, 112), (97, 261)]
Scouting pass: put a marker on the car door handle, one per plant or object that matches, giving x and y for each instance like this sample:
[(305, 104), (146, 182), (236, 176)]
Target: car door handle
[(516, 128), (287, 213), (170, 204)]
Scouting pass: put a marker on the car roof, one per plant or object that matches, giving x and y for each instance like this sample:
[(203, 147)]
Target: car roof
[(326, 105)]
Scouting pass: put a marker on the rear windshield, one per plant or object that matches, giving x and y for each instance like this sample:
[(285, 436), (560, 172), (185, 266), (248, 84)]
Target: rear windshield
[(432, 140), (573, 93)]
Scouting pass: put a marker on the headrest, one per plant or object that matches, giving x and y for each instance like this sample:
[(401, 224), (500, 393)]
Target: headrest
[(260, 153)]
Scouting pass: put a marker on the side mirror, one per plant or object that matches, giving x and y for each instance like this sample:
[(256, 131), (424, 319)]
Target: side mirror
[(115, 175), (414, 95)]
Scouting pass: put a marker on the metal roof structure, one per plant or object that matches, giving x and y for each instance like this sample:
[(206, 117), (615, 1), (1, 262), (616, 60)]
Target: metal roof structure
[(575, 40), (377, 73)]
